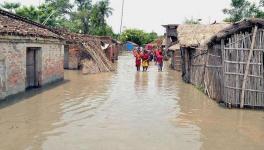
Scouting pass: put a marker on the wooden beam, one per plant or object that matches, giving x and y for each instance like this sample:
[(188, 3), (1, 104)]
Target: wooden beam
[(250, 90), (245, 63), (242, 100), (243, 49), (214, 55), (240, 74), (213, 66)]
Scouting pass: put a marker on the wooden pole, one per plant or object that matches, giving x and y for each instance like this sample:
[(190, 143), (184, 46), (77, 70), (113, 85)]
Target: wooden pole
[(242, 100)]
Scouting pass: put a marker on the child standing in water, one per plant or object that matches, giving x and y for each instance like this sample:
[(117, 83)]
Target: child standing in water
[(160, 61), (137, 55), (145, 61)]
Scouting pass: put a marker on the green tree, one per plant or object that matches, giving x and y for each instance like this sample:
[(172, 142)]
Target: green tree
[(100, 11), (30, 12), (138, 36), (40, 14), (11, 7), (80, 16), (61, 6), (84, 8), (192, 21), (241, 9), (105, 10), (151, 37)]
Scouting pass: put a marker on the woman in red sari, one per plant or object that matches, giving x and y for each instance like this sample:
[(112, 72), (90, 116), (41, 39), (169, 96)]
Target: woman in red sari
[(138, 56)]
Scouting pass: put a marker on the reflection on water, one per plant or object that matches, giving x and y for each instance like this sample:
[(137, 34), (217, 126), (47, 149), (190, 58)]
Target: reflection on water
[(126, 110)]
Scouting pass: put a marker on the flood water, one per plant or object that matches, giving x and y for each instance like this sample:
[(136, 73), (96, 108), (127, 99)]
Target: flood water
[(125, 110)]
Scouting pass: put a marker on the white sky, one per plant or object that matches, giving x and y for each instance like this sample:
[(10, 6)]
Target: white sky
[(149, 15)]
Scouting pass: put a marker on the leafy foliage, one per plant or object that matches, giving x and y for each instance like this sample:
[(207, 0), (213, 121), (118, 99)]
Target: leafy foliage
[(80, 16), (138, 36), (241, 9), (39, 14), (191, 21), (10, 6), (100, 12)]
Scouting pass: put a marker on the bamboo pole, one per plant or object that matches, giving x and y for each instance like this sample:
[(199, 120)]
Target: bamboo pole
[(247, 68), (222, 47)]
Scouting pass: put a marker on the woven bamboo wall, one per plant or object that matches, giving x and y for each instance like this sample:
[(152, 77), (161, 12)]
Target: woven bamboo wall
[(198, 67), (213, 78), (236, 54)]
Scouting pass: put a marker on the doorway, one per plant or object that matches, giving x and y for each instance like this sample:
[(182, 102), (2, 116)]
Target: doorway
[(33, 67), (66, 57)]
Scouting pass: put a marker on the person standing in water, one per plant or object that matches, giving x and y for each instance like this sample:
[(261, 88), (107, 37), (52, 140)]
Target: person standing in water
[(160, 61), (137, 55), (145, 61)]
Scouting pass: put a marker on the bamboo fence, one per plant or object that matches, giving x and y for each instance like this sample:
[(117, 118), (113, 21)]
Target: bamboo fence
[(243, 69)]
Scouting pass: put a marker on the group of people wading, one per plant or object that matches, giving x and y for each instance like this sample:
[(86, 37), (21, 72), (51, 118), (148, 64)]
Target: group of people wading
[(144, 57)]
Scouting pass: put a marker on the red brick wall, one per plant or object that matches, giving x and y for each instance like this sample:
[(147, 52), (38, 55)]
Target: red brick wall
[(52, 63), (51, 69), (74, 56)]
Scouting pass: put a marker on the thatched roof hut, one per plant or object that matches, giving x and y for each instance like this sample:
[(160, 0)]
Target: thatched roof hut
[(195, 35), (234, 71), (191, 37), (243, 25)]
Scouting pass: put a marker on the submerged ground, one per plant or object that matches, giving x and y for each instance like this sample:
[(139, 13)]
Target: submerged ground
[(125, 110)]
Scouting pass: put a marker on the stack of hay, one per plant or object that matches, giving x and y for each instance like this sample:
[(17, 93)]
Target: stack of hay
[(93, 48), (93, 58)]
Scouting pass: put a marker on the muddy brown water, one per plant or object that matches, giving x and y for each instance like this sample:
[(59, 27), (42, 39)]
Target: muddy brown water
[(126, 110)]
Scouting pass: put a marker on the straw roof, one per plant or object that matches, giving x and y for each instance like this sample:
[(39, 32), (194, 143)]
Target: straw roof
[(197, 34), (243, 25), (174, 47)]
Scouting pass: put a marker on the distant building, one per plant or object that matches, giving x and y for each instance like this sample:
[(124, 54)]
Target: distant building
[(129, 46), (170, 36), (30, 55)]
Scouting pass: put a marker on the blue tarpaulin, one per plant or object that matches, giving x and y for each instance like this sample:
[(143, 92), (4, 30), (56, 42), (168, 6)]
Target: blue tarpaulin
[(130, 46)]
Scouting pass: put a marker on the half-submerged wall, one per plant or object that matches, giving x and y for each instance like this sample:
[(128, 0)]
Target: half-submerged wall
[(198, 62), (202, 67), (231, 71), (176, 61), (243, 64), (213, 77), (19, 56)]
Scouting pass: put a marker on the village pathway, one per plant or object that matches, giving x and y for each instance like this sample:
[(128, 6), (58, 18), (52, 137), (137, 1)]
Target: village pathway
[(125, 110)]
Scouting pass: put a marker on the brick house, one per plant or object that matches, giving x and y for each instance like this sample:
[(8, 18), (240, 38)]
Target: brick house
[(30, 55)]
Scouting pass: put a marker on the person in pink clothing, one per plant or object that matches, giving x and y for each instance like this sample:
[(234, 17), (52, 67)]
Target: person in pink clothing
[(160, 61), (138, 56)]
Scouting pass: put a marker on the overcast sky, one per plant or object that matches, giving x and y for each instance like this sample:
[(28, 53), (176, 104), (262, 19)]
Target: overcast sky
[(149, 15)]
